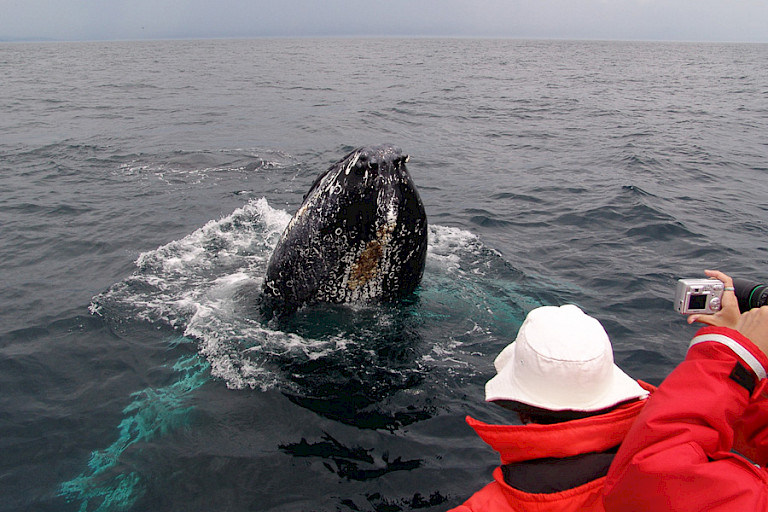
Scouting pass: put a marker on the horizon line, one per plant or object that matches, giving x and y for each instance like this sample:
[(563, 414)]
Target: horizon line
[(361, 36)]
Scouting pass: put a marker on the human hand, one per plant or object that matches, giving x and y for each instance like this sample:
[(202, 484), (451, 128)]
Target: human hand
[(754, 325), (729, 314)]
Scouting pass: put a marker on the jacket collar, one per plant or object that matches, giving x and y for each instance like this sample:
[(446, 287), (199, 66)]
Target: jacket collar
[(516, 443)]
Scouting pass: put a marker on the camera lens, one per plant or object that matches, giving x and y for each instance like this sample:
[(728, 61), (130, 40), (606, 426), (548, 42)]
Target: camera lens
[(750, 294)]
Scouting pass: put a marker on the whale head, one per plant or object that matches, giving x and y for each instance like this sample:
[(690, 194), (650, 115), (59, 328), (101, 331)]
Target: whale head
[(360, 234)]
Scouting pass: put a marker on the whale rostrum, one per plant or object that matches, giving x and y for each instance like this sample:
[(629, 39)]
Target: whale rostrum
[(359, 236)]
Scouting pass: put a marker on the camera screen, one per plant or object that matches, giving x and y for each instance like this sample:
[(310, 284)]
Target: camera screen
[(697, 302)]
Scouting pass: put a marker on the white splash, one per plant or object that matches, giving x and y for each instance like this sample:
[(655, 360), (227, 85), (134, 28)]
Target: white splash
[(202, 286)]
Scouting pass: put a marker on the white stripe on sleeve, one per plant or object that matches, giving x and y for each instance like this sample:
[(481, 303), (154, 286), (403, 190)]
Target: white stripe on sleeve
[(738, 349)]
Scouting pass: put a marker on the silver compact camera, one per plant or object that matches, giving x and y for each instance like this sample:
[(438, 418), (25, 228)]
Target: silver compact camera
[(699, 296)]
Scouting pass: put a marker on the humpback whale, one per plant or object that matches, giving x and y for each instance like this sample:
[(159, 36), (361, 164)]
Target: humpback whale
[(359, 236)]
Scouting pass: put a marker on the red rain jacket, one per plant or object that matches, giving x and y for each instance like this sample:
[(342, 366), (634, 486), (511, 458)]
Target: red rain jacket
[(701, 442), (519, 443)]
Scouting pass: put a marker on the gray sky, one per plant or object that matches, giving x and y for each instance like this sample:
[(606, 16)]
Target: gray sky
[(674, 20)]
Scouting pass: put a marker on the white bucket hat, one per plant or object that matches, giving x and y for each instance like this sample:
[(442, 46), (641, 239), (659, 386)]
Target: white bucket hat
[(561, 360)]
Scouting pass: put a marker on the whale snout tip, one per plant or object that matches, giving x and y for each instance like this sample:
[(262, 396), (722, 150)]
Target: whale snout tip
[(379, 156)]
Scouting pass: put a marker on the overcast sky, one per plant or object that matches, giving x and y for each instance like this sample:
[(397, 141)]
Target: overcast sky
[(674, 20)]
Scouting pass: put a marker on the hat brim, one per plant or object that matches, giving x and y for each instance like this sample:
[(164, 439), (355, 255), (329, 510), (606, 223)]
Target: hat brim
[(505, 386)]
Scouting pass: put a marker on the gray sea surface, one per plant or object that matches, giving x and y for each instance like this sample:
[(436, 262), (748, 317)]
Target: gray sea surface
[(143, 186)]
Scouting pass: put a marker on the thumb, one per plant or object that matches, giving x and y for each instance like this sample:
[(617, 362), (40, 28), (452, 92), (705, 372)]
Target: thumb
[(705, 319)]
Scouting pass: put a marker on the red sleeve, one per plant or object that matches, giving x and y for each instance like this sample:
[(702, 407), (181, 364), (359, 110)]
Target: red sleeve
[(679, 455)]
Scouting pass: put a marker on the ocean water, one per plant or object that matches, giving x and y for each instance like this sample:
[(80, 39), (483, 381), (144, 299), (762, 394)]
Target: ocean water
[(144, 184)]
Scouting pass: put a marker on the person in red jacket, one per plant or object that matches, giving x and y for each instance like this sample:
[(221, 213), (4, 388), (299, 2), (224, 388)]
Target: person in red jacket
[(576, 406), (701, 441)]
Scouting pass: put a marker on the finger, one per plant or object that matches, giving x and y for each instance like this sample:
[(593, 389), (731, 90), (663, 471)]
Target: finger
[(705, 319), (725, 278), (729, 294)]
